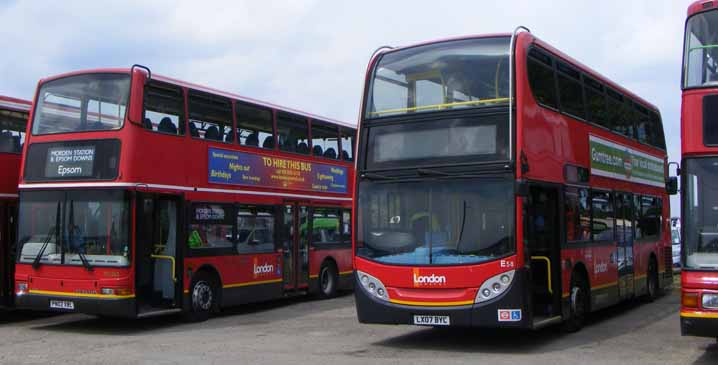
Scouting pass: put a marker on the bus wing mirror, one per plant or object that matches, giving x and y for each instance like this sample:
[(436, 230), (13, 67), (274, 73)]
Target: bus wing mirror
[(672, 185), (139, 76)]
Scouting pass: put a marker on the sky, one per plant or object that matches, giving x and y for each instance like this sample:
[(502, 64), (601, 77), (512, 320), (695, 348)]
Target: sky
[(312, 55)]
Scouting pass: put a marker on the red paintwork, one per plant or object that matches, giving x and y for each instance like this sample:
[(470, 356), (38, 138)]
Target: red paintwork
[(692, 146), (697, 6), (179, 164), (9, 175), (549, 140)]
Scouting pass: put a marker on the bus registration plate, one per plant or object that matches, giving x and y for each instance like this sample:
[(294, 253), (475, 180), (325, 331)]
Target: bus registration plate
[(62, 304), (422, 320)]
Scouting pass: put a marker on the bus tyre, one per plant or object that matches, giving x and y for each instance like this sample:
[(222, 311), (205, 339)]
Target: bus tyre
[(578, 303), (203, 298), (328, 281), (652, 289)]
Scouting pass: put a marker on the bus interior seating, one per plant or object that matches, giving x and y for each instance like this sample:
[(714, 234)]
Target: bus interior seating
[(268, 142), (193, 130), (252, 140), (212, 133), (6, 142), (147, 124), (302, 147), (317, 150), (330, 153), (228, 137), (345, 155), (166, 126)]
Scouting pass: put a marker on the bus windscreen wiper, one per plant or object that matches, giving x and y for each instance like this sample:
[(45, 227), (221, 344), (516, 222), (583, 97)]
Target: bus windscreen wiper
[(72, 230), (375, 176), (430, 172), (52, 232)]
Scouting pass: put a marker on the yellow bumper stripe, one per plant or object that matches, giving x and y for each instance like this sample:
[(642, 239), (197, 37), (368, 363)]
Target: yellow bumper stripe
[(79, 295), (431, 304)]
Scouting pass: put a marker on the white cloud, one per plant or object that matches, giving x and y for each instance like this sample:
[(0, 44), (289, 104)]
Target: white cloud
[(312, 54)]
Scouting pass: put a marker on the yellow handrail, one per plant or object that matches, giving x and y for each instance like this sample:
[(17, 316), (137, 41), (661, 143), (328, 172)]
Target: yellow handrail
[(438, 106), (171, 259), (548, 266)]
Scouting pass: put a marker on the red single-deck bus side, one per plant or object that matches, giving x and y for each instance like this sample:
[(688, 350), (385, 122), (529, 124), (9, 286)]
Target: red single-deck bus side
[(13, 123), (699, 169), (500, 183), (144, 195)]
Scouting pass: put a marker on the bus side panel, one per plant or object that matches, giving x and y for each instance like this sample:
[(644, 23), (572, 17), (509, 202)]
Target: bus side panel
[(243, 278), (341, 257), (601, 269)]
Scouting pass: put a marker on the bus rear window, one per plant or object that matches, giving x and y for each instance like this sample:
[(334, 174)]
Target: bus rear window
[(82, 103)]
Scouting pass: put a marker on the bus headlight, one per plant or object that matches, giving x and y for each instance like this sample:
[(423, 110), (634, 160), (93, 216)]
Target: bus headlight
[(710, 301), (372, 286), (494, 286), (21, 288)]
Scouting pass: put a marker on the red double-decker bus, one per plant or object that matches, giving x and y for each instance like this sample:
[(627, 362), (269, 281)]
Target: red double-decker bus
[(699, 166), (144, 195), (13, 122), (500, 183)]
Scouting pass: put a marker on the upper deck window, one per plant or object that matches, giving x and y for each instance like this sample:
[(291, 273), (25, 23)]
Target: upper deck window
[(700, 59), (164, 108), (254, 126), (447, 75), (12, 131), (293, 133), (210, 117), (325, 140), (89, 102)]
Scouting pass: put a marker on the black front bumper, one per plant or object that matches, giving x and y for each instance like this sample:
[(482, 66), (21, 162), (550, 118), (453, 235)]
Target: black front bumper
[(373, 310), (106, 307), (701, 327)]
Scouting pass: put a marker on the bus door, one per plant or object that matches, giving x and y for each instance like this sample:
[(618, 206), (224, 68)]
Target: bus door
[(295, 246), (158, 256), (7, 254), (544, 246), (624, 251)]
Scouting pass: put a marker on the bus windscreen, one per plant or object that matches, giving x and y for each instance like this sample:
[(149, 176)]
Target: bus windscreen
[(89, 102), (449, 75)]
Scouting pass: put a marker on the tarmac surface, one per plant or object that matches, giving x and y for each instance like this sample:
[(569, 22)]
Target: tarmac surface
[(313, 331)]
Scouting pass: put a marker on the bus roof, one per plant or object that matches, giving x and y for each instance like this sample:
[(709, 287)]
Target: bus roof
[(20, 105), (541, 43), (701, 5), (206, 89)]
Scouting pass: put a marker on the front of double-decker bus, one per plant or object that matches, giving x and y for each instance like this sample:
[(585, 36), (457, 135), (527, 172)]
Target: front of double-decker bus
[(699, 172), (436, 206), (74, 233)]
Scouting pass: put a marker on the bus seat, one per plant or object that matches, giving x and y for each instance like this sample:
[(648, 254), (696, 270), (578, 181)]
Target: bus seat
[(147, 124), (268, 142), (303, 148), (252, 140), (6, 143), (166, 126), (330, 153), (193, 130), (317, 151), (212, 133), (228, 137), (16, 143), (345, 156)]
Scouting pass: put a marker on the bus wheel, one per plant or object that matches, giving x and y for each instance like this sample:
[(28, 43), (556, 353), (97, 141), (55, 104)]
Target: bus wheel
[(328, 281), (578, 303), (652, 290), (203, 298)]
